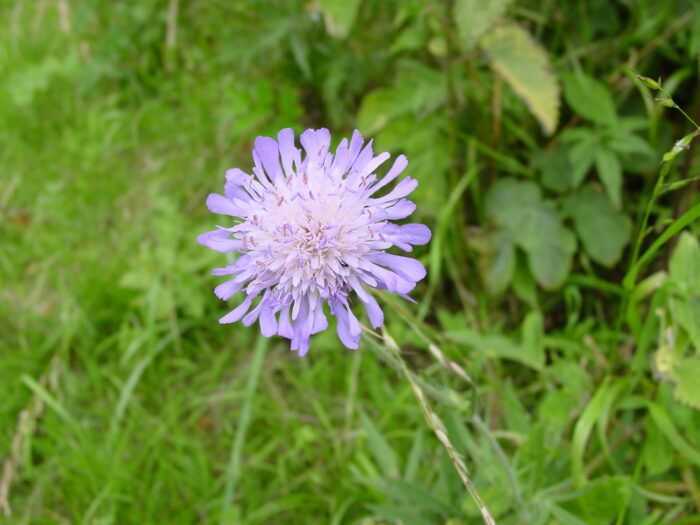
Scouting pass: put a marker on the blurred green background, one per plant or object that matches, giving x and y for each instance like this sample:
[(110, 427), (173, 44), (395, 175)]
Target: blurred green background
[(540, 157)]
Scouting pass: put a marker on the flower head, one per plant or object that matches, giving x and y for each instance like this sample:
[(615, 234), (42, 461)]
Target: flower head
[(311, 231)]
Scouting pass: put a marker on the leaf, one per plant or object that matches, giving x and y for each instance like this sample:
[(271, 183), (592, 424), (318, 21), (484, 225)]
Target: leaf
[(590, 98), (382, 452), (520, 60), (339, 16), (610, 173), (474, 18), (532, 339), (684, 265), (687, 379), (535, 227), (668, 429), (601, 501), (680, 145), (555, 167), (584, 427), (603, 230), (500, 262), (681, 222), (549, 246), (657, 453), (582, 153)]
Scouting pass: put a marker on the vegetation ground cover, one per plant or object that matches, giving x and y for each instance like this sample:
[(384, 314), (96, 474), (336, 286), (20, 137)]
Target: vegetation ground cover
[(556, 338)]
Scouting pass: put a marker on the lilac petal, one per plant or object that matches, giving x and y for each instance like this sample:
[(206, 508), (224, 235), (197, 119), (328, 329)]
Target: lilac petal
[(285, 328), (220, 204), (320, 323), (253, 315), (302, 331), (236, 182), (348, 328), (364, 158), (238, 312), (220, 241), (391, 281), (374, 164), (340, 161), (400, 210), (396, 169), (288, 151), (268, 322), (374, 312), (226, 270), (355, 145), (376, 316), (418, 234), (323, 139), (226, 290), (237, 177), (403, 188), (408, 268), (267, 150), (310, 143), (405, 235)]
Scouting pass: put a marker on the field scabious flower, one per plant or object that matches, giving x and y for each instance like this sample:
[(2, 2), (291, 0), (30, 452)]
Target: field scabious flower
[(311, 232)]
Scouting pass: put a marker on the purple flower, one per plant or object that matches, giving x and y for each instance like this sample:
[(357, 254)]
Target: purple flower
[(311, 232)]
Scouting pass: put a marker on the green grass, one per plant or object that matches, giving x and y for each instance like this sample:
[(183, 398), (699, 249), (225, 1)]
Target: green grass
[(124, 401)]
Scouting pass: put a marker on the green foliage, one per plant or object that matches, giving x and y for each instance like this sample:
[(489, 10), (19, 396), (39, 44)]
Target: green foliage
[(533, 224), (603, 230), (474, 18), (525, 66), (557, 338)]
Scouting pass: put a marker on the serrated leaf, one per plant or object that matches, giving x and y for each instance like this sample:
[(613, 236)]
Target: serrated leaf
[(590, 98), (474, 18), (610, 174), (339, 16), (686, 376), (522, 62), (603, 230)]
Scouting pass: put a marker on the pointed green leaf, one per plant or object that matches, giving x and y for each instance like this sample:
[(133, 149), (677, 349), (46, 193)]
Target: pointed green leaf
[(522, 62), (610, 173), (590, 98)]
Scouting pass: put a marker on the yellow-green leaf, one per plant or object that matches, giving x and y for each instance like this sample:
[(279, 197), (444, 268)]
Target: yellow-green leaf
[(475, 17), (522, 62), (687, 378)]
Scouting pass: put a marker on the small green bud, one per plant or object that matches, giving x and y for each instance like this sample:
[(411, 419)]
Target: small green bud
[(649, 82), (666, 101)]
